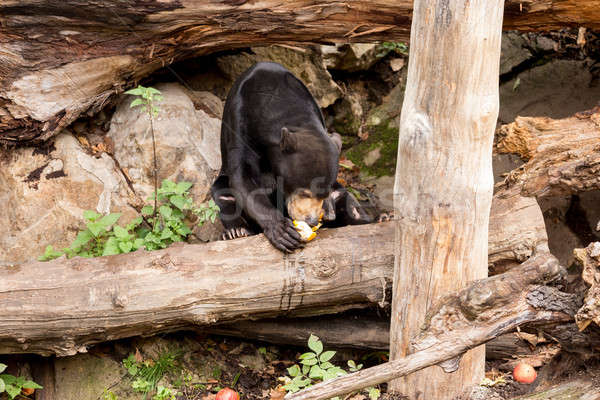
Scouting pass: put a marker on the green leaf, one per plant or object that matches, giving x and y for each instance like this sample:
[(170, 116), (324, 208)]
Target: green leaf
[(137, 243), (374, 393), (311, 361), (138, 91), (49, 254), (3, 366), (315, 344), (291, 387), (183, 230), (183, 187), (294, 370), (111, 247), (83, 237), (351, 364), (179, 202), (8, 379), (165, 211), (90, 215), (327, 365), (153, 90), (305, 369), (13, 391), (307, 356), (109, 219), (121, 233), (136, 102), (326, 356), (147, 210), (95, 228), (2, 386), (125, 246), (31, 385), (134, 223), (166, 234), (315, 372)]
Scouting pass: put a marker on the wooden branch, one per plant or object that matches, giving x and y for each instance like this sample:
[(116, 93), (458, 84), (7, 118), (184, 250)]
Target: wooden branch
[(64, 305), (61, 59), (479, 313), (562, 155), (579, 389)]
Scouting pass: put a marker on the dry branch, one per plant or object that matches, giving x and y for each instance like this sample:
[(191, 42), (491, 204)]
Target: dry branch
[(563, 156), (61, 59), (479, 313)]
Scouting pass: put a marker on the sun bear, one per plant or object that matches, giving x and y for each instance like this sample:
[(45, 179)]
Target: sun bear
[(278, 162)]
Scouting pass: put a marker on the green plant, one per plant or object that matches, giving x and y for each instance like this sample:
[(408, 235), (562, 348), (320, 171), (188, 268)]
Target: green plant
[(163, 393), (147, 97), (399, 48), (146, 374), (316, 367), (168, 224), (12, 385), (108, 395), (103, 237)]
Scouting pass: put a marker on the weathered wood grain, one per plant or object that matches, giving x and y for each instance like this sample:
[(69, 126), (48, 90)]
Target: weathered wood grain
[(59, 60), (444, 182)]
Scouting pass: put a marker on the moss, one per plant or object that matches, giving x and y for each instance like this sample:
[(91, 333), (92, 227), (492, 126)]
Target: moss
[(385, 137)]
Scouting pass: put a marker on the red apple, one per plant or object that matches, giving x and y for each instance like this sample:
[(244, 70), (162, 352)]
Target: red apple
[(524, 373), (227, 394)]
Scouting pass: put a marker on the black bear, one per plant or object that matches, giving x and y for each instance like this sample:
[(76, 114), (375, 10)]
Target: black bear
[(278, 162)]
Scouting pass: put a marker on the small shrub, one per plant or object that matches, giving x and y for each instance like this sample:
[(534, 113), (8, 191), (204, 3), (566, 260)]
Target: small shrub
[(13, 385)]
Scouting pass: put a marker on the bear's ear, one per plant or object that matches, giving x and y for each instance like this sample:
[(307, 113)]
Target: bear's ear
[(288, 141), (337, 140)]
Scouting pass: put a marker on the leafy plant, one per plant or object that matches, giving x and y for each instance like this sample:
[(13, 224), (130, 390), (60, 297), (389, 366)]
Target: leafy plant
[(163, 393), (399, 48), (146, 374), (103, 237), (316, 367), (108, 395), (146, 98), (13, 385)]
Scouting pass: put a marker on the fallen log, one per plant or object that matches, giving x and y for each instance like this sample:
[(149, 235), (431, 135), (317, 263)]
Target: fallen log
[(57, 294), (562, 155), (459, 322), (582, 389), (362, 332), (59, 60), (62, 306)]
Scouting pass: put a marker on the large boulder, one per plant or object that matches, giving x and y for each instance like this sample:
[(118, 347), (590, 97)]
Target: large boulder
[(352, 57), (513, 52), (557, 89), (305, 63), (45, 191), (187, 134)]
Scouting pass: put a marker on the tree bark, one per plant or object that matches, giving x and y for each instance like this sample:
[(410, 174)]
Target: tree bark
[(579, 389), (60, 307), (443, 187), (67, 283), (459, 322), (562, 155), (59, 60)]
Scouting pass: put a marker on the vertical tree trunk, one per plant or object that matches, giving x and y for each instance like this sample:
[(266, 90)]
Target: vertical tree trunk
[(443, 187)]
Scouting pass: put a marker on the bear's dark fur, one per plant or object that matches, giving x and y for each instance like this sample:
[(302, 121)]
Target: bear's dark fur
[(278, 161)]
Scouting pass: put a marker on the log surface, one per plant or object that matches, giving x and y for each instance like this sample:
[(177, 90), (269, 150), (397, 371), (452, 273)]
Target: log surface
[(60, 307), (61, 59), (444, 183)]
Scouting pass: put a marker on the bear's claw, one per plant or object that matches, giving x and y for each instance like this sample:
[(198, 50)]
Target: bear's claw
[(235, 233)]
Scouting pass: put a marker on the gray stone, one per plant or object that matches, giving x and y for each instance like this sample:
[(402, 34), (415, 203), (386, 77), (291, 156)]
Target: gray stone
[(85, 376), (557, 89), (45, 193), (352, 57), (304, 63), (187, 141), (513, 51)]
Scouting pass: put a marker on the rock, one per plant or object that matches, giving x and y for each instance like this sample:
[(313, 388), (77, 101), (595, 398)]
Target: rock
[(86, 377), (544, 43), (381, 131), (305, 63), (348, 114), (352, 57), (557, 89), (45, 191), (187, 141), (513, 51), (396, 64)]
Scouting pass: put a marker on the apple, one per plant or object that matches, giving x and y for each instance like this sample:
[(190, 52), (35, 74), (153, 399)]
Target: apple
[(227, 394), (524, 373)]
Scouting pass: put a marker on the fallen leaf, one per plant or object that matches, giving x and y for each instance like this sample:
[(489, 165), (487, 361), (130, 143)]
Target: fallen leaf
[(277, 394), (138, 357)]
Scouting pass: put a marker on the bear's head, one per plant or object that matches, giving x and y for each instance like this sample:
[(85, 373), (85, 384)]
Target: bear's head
[(308, 169)]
